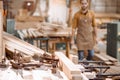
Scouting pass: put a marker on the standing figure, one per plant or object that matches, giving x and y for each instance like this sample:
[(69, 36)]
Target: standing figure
[(84, 22)]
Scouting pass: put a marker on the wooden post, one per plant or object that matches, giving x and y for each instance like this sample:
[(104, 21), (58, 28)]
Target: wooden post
[(67, 48), (70, 13), (1, 30)]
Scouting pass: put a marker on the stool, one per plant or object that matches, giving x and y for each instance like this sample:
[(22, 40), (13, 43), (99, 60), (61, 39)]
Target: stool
[(65, 40)]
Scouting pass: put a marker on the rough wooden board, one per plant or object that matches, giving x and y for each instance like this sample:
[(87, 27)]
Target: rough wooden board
[(11, 46), (101, 57), (109, 63), (110, 58), (21, 43), (68, 66)]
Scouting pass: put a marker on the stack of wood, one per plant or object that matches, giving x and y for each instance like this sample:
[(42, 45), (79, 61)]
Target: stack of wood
[(36, 29), (12, 43), (30, 33)]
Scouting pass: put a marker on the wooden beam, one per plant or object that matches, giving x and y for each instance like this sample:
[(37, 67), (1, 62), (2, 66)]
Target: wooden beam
[(68, 67), (70, 13), (12, 47), (1, 31)]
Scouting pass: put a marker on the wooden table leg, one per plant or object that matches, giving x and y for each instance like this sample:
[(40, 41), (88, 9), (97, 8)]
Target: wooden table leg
[(67, 48)]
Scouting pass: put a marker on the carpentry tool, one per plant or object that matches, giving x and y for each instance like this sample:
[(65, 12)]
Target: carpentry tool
[(45, 58)]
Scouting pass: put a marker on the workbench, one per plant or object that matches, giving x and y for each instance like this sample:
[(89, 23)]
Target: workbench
[(49, 33), (62, 36)]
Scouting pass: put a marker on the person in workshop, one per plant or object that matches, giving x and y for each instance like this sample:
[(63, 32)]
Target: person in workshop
[(84, 22)]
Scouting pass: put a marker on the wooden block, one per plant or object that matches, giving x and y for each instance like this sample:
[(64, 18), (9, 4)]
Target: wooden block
[(68, 66), (109, 63)]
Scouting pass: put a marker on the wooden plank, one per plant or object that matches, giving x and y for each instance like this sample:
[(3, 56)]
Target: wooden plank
[(1, 31), (108, 63), (110, 58), (68, 66), (11, 46), (22, 43), (101, 57)]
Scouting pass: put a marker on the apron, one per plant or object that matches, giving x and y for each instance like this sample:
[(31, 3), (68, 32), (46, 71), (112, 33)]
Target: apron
[(84, 37)]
